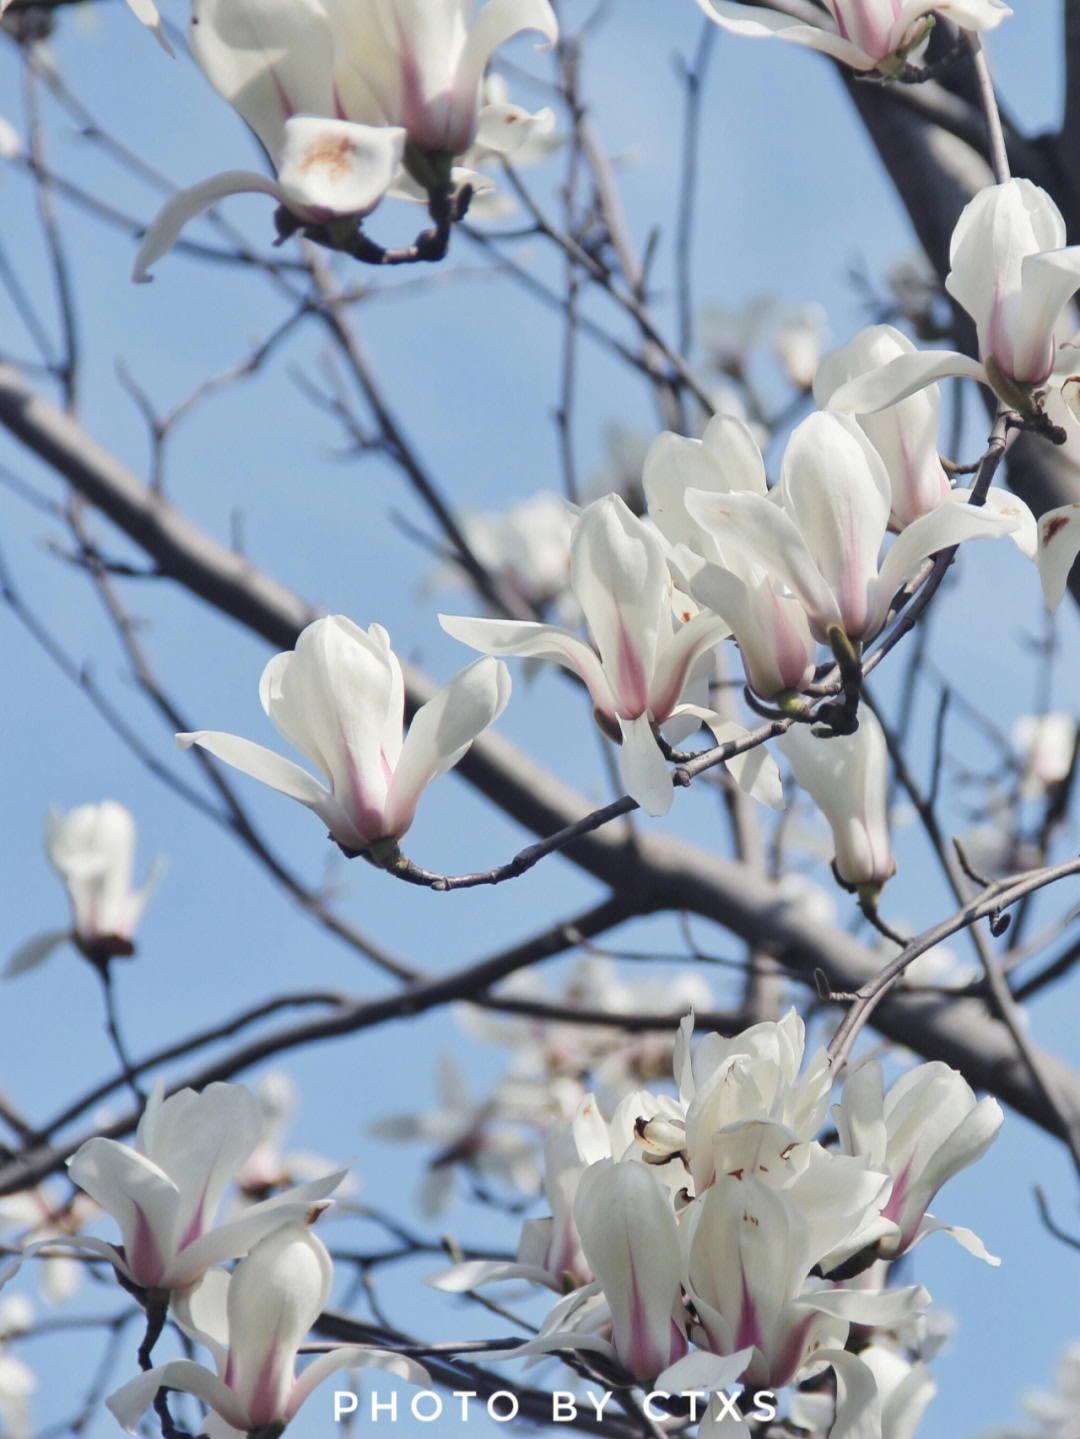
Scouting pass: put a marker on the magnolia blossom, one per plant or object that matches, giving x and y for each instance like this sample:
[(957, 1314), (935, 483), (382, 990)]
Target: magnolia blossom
[(1011, 270), (865, 34), (823, 540), (1046, 747), (92, 849), (847, 778), (641, 665), (164, 1192), (254, 1322), (927, 1128), (339, 697), (341, 96)]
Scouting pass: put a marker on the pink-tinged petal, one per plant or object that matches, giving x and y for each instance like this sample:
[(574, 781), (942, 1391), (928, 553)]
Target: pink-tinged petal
[(140, 1196), (530, 639), (772, 633), (34, 952), (441, 731), (1059, 544), (354, 1356), (1047, 284), (902, 377), (950, 524), (836, 489), (130, 1402), (761, 531), (619, 574), (333, 167), (186, 204), (239, 1236), (497, 22), (644, 770), (753, 21), (268, 60), (630, 1239), (676, 661)]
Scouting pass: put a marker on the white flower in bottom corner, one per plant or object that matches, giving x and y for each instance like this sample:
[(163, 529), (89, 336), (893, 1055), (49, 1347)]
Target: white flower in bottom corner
[(268, 1304)]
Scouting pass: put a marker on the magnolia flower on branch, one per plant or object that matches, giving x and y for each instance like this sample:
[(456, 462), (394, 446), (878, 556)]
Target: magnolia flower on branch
[(641, 665), (92, 849), (1013, 273), (348, 101), (339, 697), (254, 1322), (865, 34), (164, 1192)]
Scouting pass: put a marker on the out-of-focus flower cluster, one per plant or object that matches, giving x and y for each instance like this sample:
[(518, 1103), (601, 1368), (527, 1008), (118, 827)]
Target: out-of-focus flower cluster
[(1055, 1415), (500, 1136), (710, 1240)]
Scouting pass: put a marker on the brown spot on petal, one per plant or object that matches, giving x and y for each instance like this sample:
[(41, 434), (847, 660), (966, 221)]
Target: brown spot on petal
[(334, 154), (1052, 527)]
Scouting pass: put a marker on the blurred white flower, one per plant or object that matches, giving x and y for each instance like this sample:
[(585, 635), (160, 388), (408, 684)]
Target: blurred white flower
[(92, 849), (1045, 745)]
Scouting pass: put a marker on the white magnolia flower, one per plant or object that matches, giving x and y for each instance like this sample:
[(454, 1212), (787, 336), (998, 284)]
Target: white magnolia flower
[(927, 1128), (526, 548), (269, 1304), (847, 778), (865, 34), (1045, 745), (92, 849), (641, 665), (823, 540), (165, 1192), (340, 96), (339, 697), (1011, 270)]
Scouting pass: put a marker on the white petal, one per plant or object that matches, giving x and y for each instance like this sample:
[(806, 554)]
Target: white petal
[(129, 1403), (644, 770), (441, 731), (1001, 502), (1059, 544), (336, 166), (268, 60), (755, 771), (497, 22), (147, 12), (964, 1237), (901, 377), (750, 20), (272, 769), (140, 1196), (186, 204), (529, 637), (34, 952)]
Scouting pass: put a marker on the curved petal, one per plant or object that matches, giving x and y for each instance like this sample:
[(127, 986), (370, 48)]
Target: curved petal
[(901, 377), (1003, 503), (497, 22), (186, 204), (441, 731), (1059, 544), (754, 21), (531, 638), (769, 536), (147, 12), (755, 771), (336, 167), (354, 1356), (643, 768), (129, 1403), (262, 764), (139, 1195), (269, 59), (34, 952), (950, 524)]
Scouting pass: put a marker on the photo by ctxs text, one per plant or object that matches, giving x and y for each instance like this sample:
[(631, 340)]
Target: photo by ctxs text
[(425, 1405)]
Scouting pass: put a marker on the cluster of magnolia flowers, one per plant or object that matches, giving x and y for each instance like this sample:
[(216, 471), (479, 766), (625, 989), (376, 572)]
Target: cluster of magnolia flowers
[(164, 1193), (711, 1241), (354, 102)]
